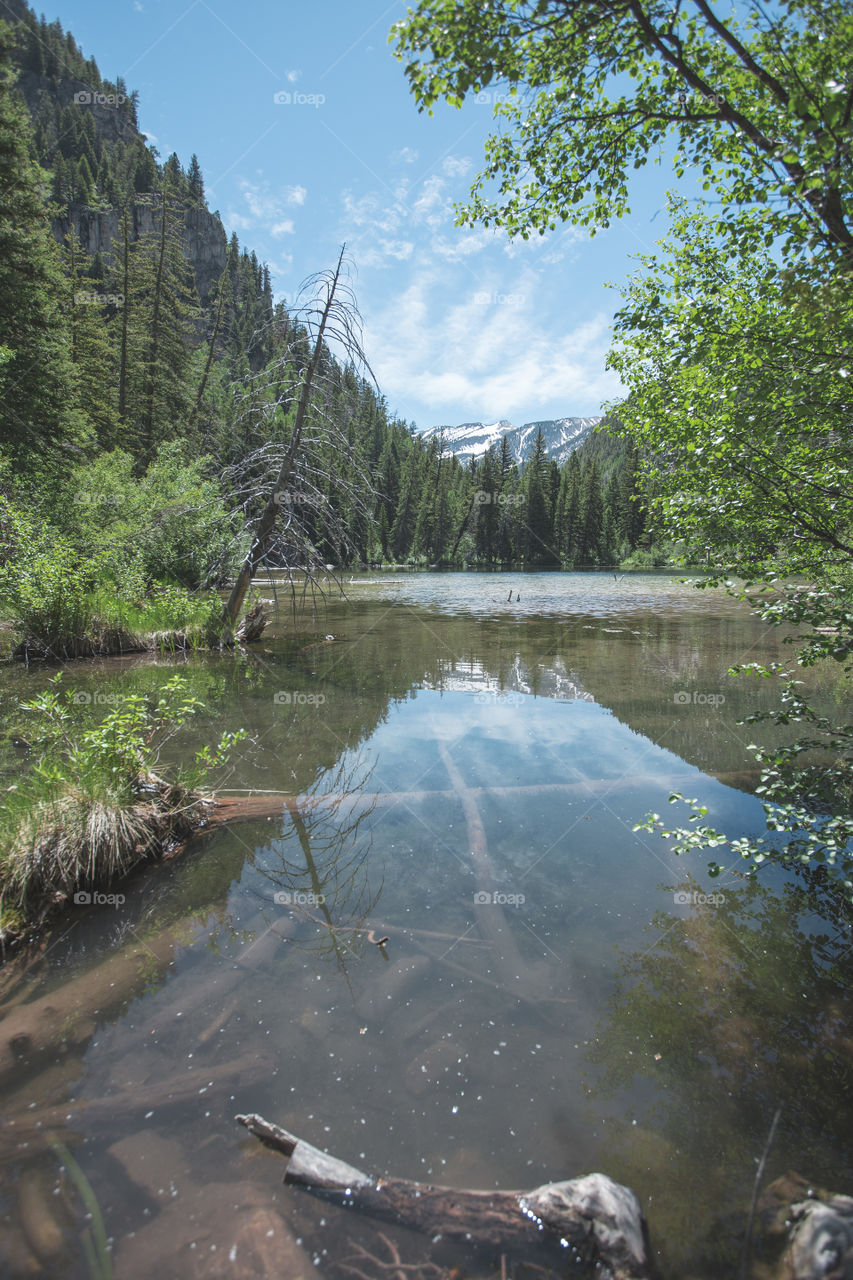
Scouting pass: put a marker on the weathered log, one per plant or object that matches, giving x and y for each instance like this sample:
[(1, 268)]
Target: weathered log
[(594, 1220), (65, 1018), (814, 1226), (252, 624), (203, 1085)]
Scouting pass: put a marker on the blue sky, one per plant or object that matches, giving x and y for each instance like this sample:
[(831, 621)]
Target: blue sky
[(460, 324)]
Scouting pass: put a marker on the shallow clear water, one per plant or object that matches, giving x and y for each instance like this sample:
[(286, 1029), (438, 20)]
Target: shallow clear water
[(558, 994)]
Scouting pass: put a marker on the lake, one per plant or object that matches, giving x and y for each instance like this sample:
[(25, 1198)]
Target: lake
[(467, 755)]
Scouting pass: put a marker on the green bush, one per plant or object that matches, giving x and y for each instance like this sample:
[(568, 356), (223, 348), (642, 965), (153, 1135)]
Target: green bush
[(94, 803), (171, 522)]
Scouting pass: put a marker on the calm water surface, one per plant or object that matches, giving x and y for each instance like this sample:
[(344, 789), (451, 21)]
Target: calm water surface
[(557, 994)]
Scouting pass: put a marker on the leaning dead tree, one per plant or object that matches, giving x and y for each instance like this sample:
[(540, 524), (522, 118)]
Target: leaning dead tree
[(296, 479), (595, 1222)]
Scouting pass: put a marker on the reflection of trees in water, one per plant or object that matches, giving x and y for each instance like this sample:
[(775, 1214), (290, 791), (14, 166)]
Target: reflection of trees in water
[(317, 868), (736, 1009)]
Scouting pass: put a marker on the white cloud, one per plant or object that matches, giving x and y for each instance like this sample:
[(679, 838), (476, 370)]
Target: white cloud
[(433, 206), (407, 155), (456, 166), (238, 221), (488, 353), (265, 207)]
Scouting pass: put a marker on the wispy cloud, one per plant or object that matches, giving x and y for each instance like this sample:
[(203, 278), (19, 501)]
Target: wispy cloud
[(265, 206), (485, 354)]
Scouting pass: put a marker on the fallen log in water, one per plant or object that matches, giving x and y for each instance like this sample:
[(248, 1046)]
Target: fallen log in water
[(256, 805), (815, 1227), (203, 1085), (593, 1220), (66, 1017)]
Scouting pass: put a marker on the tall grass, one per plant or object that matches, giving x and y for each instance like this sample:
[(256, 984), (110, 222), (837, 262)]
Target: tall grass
[(94, 803)]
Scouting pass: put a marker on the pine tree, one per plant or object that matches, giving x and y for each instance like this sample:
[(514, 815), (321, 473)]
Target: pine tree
[(591, 515), (37, 402), (166, 309), (537, 522), (195, 180), (93, 351)]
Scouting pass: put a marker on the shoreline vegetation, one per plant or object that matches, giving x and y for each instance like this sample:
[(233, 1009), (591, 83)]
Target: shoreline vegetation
[(97, 802)]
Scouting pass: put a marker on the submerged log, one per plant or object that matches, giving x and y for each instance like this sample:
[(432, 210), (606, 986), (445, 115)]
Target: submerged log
[(203, 1086), (594, 1220), (64, 1019)]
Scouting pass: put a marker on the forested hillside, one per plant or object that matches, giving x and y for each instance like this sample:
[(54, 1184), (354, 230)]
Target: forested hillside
[(147, 380)]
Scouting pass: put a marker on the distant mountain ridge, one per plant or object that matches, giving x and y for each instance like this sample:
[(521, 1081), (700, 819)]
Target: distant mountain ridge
[(471, 439)]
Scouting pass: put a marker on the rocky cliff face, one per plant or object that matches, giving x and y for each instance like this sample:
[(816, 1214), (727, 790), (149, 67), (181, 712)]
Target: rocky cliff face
[(98, 229), (205, 242)]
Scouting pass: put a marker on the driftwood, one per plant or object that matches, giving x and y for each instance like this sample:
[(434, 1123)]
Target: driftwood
[(204, 1085), (66, 1018), (590, 1220), (814, 1226)]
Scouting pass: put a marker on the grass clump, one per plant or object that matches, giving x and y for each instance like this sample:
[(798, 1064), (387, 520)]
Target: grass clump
[(95, 802)]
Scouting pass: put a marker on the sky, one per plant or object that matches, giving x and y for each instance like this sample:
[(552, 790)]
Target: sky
[(308, 137)]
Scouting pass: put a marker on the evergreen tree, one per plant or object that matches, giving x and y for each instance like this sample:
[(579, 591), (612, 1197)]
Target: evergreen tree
[(591, 523), (195, 182), (36, 408)]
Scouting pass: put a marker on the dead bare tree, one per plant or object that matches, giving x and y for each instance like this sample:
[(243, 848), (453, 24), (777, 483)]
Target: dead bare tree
[(288, 485)]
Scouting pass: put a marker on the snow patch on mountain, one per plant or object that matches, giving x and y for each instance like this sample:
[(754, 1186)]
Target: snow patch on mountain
[(471, 439)]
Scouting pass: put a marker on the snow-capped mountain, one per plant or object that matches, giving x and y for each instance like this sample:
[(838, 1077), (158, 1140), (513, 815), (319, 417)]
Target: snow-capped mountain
[(472, 439)]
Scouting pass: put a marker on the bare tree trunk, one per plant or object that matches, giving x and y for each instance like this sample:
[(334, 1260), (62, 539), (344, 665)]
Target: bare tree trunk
[(267, 521), (125, 321), (154, 350), (223, 289)]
